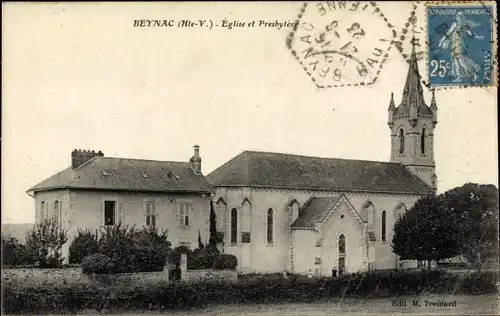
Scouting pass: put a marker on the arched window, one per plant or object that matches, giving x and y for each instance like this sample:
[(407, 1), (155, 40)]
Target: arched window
[(270, 226), (234, 226), (384, 237), (422, 141), (342, 244), (401, 141)]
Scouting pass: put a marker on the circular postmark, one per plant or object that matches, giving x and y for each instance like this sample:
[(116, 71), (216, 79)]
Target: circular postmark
[(341, 43)]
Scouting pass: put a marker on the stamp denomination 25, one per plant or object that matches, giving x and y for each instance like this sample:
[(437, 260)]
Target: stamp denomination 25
[(340, 43), (461, 45)]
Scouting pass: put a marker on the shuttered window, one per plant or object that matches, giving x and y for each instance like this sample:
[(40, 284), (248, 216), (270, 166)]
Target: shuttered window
[(151, 213), (184, 213)]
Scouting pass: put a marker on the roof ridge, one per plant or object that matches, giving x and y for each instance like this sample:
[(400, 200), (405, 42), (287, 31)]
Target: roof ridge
[(317, 157), (336, 201), (145, 160)]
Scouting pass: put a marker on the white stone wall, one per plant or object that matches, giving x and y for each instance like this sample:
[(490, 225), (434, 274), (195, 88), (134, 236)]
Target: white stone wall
[(270, 258), (81, 210)]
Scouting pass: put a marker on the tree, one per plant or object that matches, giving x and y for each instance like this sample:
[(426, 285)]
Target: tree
[(45, 241), (212, 241), (200, 243), (473, 208), (14, 253), (425, 232), (86, 243)]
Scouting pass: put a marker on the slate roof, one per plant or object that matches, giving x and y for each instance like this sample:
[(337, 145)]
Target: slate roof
[(314, 211), (287, 171), (108, 173)]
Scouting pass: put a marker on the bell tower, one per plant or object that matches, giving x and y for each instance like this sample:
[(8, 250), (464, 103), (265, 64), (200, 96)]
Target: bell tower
[(412, 125)]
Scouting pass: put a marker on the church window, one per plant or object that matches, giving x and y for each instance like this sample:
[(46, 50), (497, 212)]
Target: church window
[(422, 141), (342, 244), (384, 233), (401, 141), (270, 226), (234, 226)]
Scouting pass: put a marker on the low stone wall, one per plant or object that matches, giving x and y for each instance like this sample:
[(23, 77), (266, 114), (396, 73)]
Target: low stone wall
[(209, 275), (75, 276)]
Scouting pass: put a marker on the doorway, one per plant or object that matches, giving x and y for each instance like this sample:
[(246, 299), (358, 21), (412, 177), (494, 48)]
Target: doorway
[(341, 266)]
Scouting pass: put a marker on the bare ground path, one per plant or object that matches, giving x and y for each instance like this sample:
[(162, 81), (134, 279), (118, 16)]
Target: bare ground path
[(465, 305)]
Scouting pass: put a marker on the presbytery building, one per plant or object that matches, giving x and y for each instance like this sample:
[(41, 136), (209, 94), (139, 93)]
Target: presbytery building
[(98, 191)]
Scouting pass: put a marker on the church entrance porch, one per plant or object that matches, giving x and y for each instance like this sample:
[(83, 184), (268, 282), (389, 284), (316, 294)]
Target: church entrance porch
[(329, 233)]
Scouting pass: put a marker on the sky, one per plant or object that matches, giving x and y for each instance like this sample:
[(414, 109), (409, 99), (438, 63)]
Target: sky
[(80, 76)]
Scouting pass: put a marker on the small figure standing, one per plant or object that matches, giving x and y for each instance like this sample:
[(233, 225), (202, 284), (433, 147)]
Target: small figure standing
[(285, 275), (341, 271), (310, 276), (334, 272)]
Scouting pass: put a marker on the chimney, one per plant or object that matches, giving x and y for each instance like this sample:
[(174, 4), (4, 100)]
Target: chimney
[(195, 161), (79, 157)]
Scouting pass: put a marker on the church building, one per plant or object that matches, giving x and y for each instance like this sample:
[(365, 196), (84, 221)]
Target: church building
[(279, 212)]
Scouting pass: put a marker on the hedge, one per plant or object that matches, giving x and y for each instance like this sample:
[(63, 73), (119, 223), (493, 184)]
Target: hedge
[(63, 298), (206, 258), (35, 266)]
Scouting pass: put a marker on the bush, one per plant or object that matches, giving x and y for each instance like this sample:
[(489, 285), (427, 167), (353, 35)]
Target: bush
[(226, 262), (132, 250), (45, 241), (15, 253), (209, 259), (68, 298), (97, 263), (86, 243)]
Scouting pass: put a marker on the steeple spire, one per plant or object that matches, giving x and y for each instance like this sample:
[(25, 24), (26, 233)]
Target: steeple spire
[(434, 109), (392, 105), (433, 102), (413, 88)]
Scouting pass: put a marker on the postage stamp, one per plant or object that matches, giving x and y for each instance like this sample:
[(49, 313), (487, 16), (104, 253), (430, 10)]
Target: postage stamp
[(339, 43), (461, 44)]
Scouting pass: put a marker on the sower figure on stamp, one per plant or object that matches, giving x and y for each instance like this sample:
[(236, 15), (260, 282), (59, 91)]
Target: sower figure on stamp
[(453, 40)]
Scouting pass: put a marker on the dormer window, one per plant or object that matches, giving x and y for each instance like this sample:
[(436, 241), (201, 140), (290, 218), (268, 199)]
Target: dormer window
[(104, 173), (177, 177), (145, 175)]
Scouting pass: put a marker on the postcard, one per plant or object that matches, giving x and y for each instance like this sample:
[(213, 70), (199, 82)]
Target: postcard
[(260, 158)]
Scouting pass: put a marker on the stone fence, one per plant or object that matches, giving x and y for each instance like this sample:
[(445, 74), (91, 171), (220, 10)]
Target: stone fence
[(205, 275), (74, 275), (38, 276)]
